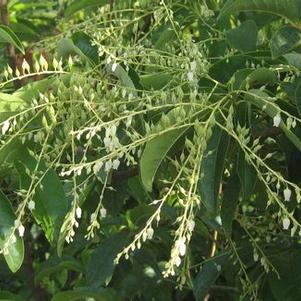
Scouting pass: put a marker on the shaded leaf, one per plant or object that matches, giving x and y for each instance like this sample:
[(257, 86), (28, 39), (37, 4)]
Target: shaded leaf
[(209, 273), (79, 43), (229, 203), (101, 264), (77, 5), (247, 176), (285, 40), (261, 100), (83, 42), (212, 168), (244, 37), (51, 202), (55, 265), (80, 294), (288, 266), (293, 59), (15, 255), (156, 150), (8, 36), (289, 9)]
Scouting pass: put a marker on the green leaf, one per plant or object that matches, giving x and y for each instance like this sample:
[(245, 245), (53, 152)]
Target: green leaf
[(8, 36), (10, 103), (81, 44), (101, 265), (212, 168), (124, 78), (77, 5), (288, 265), (7, 296), (51, 202), (209, 273), (247, 176), (244, 37), (289, 9), (229, 203), (259, 77), (155, 81), (293, 59), (298, 98), (15, 255), (80, 294), (156, 150), (285, 40), (261, 100), (54, 265)]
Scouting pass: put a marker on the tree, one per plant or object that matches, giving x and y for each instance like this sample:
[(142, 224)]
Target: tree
[(150, 150)]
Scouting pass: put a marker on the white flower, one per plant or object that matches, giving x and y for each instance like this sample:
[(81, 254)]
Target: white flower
[(193, 65), (31, 205), (92, 217), (277, 120), (286, 223), (218, 219), (287, 194), (13, 239), (97, 166), (114, 66), (25, 66), (182, 249), (5, 126), (150, 233), (116, 164), (190, 76), (191, 225), (178, 261), (103, 212), (255, 257), (108, 166), (78, 212), (21, 230)]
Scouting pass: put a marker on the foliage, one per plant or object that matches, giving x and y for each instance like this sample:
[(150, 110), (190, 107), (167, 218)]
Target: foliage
[(150, 150)]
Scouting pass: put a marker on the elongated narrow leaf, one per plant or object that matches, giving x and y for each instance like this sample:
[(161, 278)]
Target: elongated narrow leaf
[(54, 265), (288, 265), (81, 44), (285, 40), (244, 37), (293, 59), (8, 36), (247, 176), (85, 294), (207, 277), (84, 43), (212, 168), (101, 265), (261, 100), (155, 81), (15, 251), (77, 5), (7, 296), (229, 203), (10, 103), (156, 150), (51, 202), (124, 78), (260, 77), (289, 9)]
